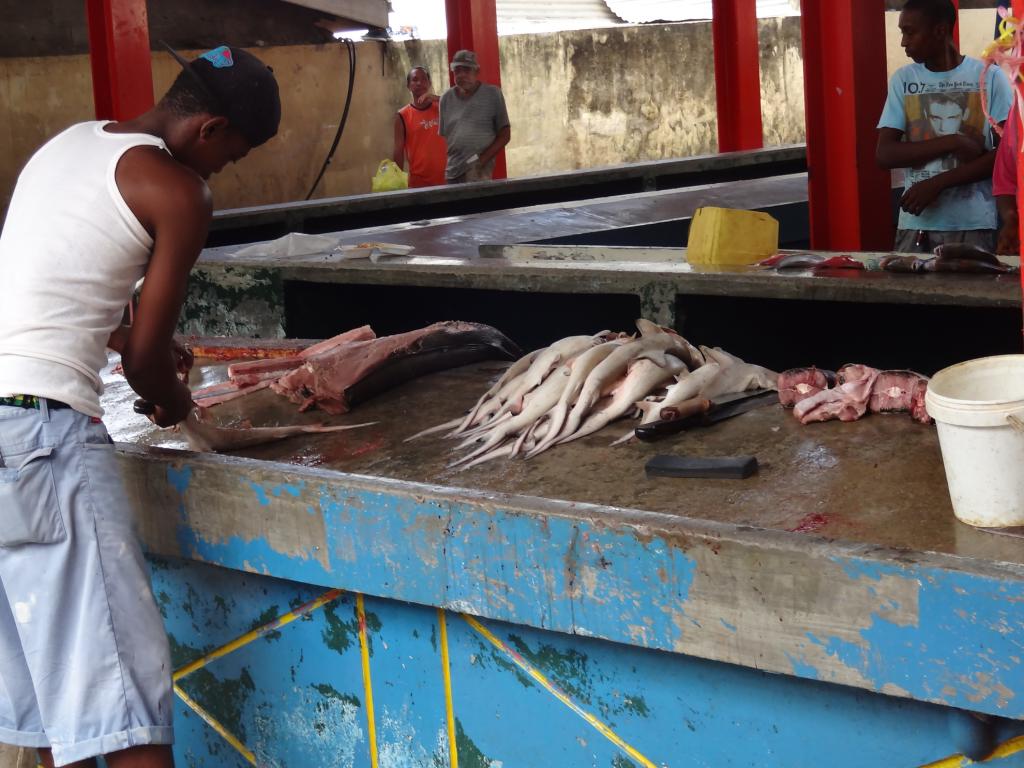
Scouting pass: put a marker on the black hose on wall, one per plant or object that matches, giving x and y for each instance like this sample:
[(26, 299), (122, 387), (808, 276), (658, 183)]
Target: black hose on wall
[(344, 115)]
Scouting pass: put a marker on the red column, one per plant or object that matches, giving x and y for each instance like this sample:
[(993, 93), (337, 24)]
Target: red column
[(845, 89), (473, 26), (737, 74), (122, 74), (1018, 12)]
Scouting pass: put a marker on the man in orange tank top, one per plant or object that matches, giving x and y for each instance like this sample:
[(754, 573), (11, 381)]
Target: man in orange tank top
[(416, 136)]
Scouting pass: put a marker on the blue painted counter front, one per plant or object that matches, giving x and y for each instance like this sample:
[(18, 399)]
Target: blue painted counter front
[(532, 632)]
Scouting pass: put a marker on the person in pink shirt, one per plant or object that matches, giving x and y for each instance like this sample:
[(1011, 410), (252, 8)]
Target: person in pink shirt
[(1004, 186)]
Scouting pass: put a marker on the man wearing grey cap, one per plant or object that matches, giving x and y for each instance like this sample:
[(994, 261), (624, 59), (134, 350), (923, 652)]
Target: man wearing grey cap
[(474, 121)]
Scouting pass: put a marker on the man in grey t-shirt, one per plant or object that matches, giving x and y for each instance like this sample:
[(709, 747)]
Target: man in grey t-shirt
[(474, 121)]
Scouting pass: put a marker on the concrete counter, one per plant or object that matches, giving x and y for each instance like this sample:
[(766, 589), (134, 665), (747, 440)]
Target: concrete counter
[(245, 294), (840, 562)]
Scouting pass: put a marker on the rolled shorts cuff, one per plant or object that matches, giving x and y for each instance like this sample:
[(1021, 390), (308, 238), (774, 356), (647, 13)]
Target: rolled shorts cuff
[(29, 739), (114, 742)]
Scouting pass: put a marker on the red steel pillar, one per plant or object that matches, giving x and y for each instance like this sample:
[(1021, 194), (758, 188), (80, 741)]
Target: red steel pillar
[(737, 74), (845, 88), (1018, 12), (122, 73), (473, 25)]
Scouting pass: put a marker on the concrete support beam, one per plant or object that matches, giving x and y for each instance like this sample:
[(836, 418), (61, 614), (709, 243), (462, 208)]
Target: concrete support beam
[(372, 12), (122, 75), (845, 83), (473, 25), (737, 75)]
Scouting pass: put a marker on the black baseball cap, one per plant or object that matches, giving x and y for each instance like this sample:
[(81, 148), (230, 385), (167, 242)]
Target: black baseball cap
[(240, 87)]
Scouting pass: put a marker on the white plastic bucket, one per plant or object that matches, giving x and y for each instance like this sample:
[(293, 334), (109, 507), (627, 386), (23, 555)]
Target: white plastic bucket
[(974, 405)]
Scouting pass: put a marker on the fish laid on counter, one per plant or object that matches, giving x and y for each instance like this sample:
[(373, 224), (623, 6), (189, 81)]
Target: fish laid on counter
[(858, 389), (580, 384), (951, 257), (810, 261), (205, 436), (958, 251), (351, 367)]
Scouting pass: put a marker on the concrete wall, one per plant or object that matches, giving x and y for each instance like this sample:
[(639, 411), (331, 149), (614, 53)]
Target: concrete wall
[(577, 99), (977, 27)]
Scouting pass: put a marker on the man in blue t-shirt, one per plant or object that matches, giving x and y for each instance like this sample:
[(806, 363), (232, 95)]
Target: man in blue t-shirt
[(934, 126)]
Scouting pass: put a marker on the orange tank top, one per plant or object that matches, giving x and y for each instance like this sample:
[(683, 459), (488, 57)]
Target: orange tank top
[(424, 146)]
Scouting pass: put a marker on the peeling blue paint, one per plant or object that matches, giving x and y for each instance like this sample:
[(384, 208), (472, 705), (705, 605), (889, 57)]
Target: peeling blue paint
[(961, 643), (293, 490), (261, 494), (957, 638), (303, 701), (802, 668), (179, 479)]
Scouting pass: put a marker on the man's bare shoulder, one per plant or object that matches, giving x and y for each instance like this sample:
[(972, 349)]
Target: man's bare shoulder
[(157, 187)]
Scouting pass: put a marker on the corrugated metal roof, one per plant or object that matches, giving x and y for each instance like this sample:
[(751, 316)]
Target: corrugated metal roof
[(646, 11), (523, 16)]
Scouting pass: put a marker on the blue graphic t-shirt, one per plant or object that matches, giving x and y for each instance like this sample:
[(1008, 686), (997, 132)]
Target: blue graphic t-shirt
[(924, 105)]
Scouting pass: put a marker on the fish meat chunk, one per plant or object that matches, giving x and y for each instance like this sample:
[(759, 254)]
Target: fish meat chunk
[(798, 384), (847, 402), (351, 372), (894, 391)]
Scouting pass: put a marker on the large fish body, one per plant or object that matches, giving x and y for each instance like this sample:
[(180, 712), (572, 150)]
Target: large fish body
[(348, 373), (643, 377)]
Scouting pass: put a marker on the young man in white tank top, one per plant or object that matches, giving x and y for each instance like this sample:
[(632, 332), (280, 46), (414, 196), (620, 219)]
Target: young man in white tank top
[(84, 662)]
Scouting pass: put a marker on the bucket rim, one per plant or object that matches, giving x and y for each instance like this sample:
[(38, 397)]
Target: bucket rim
[(975, 405)]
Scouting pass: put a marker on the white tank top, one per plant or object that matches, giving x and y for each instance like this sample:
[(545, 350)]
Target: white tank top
[(71, 251)]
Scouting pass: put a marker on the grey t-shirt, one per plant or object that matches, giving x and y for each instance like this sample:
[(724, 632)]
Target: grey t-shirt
[(470, 125)]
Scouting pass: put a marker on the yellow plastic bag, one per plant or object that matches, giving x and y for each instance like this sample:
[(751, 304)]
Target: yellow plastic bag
[(389, 177)]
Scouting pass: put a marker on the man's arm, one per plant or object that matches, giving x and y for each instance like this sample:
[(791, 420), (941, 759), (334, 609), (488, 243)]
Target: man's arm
[(398, 154), (893, 152), (175, 207), (503, 138), (923, 194)]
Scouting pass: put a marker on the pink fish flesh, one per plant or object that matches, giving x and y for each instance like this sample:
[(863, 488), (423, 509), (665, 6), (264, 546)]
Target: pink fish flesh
[(351, 372)]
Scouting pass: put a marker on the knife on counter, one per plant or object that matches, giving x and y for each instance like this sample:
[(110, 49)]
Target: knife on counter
[(721, 408)]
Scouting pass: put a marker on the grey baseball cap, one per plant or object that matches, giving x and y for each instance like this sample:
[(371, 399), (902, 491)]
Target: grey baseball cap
[(464, 59)]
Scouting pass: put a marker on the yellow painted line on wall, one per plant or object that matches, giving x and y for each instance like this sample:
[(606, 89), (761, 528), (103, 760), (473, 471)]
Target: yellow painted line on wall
[(215, 724), (1007, 748), (449, 710), (364, 651), (533, 672), (234, 645), (257, 633)]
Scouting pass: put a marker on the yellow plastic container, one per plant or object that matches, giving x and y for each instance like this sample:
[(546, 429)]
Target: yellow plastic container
[(730, 236)]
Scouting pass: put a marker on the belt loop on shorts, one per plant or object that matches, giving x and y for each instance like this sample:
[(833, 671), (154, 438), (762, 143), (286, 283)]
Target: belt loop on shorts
[(44, 409)]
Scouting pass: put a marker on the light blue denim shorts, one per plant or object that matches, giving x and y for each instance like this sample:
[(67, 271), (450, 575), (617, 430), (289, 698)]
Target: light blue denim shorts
[(84, 662)]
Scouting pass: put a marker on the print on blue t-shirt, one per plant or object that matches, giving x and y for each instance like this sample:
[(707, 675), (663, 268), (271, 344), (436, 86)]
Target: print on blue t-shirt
[(925, 105)]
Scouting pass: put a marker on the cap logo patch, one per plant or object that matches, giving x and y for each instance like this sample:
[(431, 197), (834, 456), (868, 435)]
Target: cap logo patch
[(219, 57)]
